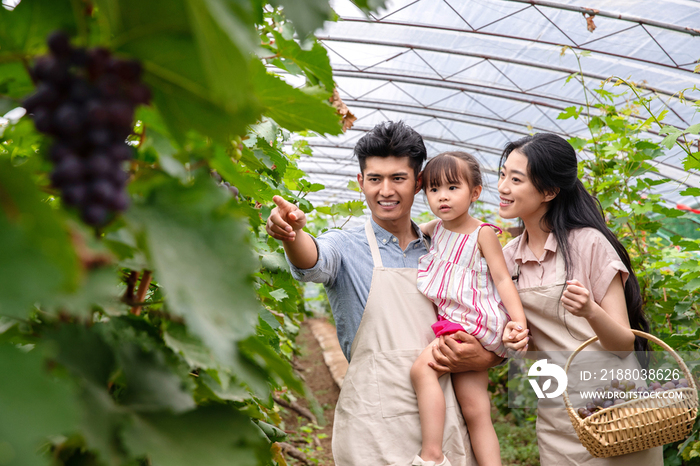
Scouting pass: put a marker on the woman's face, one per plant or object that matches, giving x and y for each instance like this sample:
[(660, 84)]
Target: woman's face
[(519, 197)]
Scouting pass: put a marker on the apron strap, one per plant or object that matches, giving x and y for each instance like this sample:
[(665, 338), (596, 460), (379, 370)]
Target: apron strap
[(372, 240)]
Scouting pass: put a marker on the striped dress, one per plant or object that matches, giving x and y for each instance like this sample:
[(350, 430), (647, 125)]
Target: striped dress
[(455, 277)]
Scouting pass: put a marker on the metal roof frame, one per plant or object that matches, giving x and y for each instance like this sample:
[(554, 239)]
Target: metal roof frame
[(420, 66), (487, 57)]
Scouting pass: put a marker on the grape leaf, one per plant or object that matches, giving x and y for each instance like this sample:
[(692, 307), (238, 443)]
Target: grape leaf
[(195, 353), (306, 15), (101, 419), (690, 192), (199, 356), (369, 5), (314, 62), (272, 432), (84, 352), (25, 28), (200, 261), (292, 108), (259, 353), (215, 435), (33, 406), (220, 386), (14, 80), (279, 294), (196, 58), (569, 112), (151, 384), (96, 288), (38, 259)]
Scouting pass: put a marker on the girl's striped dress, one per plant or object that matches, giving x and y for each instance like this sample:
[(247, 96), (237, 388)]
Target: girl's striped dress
[(456, 278)]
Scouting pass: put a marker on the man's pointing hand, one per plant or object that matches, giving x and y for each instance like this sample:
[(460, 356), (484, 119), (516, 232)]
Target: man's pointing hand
[(285, 220)]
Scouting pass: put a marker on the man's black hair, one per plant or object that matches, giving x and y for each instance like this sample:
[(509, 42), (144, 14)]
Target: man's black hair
[(392, 139)]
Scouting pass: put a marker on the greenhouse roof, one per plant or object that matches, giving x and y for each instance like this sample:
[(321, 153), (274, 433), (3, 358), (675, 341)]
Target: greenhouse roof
[(473, 75)]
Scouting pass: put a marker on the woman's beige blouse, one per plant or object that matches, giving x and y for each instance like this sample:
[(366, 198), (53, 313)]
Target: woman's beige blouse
[(595, 262)]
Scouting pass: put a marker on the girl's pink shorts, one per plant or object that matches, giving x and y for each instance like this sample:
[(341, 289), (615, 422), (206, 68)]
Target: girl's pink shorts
[(445, 327)]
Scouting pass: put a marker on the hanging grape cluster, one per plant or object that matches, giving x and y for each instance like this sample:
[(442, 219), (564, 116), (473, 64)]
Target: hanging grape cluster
[(225, 184), (85, 100)]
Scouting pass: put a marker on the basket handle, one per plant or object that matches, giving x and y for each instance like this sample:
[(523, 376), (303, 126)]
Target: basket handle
[(639, 333)]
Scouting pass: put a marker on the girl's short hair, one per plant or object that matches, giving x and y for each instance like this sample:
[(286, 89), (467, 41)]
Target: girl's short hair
[(451, 168)]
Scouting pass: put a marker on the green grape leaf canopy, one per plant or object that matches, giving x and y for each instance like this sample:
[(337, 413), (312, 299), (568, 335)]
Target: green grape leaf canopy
[(160, 336)]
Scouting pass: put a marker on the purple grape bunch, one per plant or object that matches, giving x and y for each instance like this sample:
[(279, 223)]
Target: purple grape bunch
[(85, 100), (225, 184), (232, 189)]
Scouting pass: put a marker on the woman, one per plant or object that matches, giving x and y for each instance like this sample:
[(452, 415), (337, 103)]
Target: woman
[(574, 279)]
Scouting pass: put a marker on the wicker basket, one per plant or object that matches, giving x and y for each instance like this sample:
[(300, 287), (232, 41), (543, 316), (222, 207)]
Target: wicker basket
[(636, 424)]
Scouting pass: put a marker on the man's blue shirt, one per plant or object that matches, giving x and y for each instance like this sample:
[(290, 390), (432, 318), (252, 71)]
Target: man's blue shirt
[(345, 268)]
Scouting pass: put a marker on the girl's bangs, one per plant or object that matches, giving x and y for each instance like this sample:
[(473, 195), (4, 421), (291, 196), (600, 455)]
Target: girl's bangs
[(443, 169)]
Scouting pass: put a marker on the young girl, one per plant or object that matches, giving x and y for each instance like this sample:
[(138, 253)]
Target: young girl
[(574, 278), (464, 274)]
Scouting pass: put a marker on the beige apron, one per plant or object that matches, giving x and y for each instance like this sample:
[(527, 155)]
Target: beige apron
[(376, 418), (558, 333)]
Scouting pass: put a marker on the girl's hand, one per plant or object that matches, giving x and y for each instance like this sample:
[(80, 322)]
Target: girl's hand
[(515, 337), (577, 299)]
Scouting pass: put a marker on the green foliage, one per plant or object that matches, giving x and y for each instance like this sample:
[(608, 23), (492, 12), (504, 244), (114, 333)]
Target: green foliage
[(33, 406), (25, 28), (196, 245), (518, 443), (161, 338), (196, 57), (184, 440), (38, 258)]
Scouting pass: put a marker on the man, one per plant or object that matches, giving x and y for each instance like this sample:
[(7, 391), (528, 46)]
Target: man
[(383, 322)]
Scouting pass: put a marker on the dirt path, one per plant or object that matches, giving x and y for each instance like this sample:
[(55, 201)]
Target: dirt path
[(315, 443)]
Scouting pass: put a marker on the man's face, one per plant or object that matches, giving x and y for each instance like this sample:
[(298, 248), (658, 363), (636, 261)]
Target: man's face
[(389, 185)]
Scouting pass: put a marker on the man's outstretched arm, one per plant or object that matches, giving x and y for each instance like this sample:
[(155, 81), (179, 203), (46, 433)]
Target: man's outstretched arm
[(285, 223), (469, 355)]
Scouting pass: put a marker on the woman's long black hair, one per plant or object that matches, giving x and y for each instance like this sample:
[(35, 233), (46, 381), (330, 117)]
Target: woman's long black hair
[(552, 166)]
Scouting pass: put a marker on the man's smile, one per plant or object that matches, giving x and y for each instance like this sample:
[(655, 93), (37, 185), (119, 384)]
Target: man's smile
[(388, 203)]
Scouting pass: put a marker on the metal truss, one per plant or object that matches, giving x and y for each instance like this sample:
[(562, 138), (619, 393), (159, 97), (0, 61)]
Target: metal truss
[(607, 14), (486, 57), (486, 104)]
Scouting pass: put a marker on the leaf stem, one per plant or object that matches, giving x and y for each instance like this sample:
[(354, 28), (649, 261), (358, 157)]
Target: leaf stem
[(588, 105), (143, 289), (79, 14)]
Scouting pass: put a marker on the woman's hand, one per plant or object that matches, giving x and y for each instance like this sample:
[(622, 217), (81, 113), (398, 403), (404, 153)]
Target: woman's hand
[(515, 337), (577, 300)]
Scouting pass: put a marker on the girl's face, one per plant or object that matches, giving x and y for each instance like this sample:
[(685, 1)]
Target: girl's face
[(519, 197), (450, 201)]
